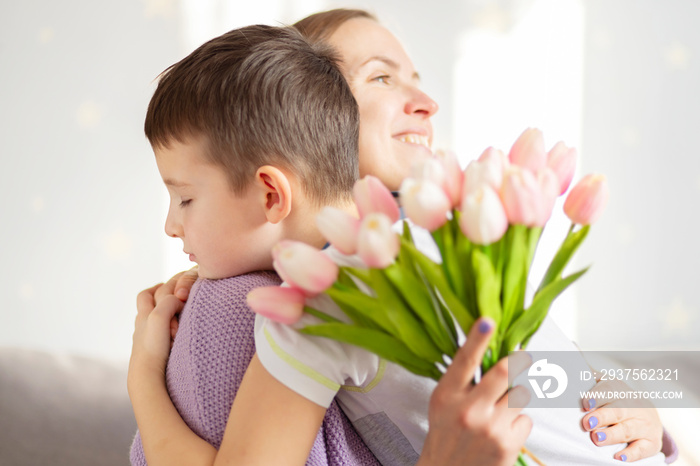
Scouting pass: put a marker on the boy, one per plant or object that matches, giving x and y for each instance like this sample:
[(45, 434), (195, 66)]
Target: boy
[(230, 127)]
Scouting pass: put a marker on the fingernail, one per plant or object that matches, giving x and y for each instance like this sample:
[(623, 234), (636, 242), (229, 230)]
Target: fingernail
[(623, 457), (182, 293), (485, 326), (601, 436), (591, 403), (592, 422)]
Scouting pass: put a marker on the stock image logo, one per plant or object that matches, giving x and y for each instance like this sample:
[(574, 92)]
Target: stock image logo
[(547, 372)]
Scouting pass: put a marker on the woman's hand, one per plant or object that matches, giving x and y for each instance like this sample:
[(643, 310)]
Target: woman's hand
[(472, 424), (151, 340), (635, 422)]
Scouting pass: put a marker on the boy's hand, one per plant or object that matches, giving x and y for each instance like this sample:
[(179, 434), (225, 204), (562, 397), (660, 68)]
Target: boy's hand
[(472, 424), (151, 341), (179, 285)]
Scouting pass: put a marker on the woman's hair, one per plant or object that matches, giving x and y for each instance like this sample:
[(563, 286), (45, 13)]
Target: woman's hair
[(319, 27)]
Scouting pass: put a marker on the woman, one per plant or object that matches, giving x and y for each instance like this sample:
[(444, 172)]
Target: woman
[(395, 131)]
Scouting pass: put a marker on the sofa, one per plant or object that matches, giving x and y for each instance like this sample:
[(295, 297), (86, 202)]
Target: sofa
[(63, 410)]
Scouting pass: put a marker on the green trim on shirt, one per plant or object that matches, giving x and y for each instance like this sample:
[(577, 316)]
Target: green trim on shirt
[(298, 365), (372, 384)]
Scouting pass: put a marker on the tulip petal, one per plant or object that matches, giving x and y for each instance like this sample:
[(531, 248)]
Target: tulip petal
[(562, 160), (483, 218), (278, 303), (425, 203), (378, 244), (587, 200), (528, 150), (371, 195), (304, 267), (339, 228)]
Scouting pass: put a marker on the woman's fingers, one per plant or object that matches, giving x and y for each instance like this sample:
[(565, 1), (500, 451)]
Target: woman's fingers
[(635, 451), (468, 358), (496, 381)]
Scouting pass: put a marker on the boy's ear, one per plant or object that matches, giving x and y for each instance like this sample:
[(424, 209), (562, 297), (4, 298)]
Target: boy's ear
[(277, 192)]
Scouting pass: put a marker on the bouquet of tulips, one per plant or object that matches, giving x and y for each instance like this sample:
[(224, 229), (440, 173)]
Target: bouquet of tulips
[(485, 223)]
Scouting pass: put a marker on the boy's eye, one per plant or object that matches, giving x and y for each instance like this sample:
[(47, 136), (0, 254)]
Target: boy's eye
[(185, 202)]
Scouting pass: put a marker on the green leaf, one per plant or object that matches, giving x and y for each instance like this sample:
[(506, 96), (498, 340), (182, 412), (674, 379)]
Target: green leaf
[(450, 232), (514, 272), (488, 286), (571, 243), (321, 315), (434, 275), (528, 323), (406, 325), (362, 309), (377, 342), (424, 305)]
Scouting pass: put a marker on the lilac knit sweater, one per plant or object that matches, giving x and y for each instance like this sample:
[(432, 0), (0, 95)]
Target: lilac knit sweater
[(210, 354)]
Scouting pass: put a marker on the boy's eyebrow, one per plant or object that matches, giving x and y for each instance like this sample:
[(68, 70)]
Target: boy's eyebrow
[(174, 183), (388, 62)]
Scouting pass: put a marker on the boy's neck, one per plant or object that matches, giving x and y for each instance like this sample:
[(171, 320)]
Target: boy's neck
[(305, 229)]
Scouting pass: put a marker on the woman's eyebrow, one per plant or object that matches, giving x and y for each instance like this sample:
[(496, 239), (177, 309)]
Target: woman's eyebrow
[(388, 62)]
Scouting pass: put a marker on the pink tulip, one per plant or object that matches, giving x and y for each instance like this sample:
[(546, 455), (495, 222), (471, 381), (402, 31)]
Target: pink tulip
[(549, 191), (586, 201), (279, 303), (521, 196), (562, 160), (378, 244), (528, 150), (340, 229), (483, 218), (372, 196), (304, 267), (425, 203), (454, 176)]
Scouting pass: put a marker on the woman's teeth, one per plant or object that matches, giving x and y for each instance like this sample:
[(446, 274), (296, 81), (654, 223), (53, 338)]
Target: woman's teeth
[(415, 139)]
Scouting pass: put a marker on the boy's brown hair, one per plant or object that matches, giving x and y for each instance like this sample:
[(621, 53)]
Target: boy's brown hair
[(263, 95)]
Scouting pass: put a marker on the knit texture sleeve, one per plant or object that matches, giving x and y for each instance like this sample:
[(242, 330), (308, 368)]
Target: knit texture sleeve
[(211, 352)]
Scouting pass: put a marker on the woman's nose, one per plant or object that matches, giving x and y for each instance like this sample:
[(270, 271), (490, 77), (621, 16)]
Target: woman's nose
[(420, 103)]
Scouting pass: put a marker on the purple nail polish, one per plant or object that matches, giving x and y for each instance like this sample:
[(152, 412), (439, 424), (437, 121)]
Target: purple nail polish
[(591, 403), (601, 436), (623, 457), (485, 326), (592, 422)]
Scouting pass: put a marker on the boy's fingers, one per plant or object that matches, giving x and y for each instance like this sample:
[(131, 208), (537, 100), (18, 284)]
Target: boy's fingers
[(168, 287), (145, 300), (468, 358), (167, 308), (185, 282)]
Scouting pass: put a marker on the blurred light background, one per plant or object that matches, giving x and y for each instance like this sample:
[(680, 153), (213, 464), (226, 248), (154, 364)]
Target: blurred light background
[(82, 206)]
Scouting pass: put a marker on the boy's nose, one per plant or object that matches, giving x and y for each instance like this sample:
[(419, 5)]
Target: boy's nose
[(171, 227)]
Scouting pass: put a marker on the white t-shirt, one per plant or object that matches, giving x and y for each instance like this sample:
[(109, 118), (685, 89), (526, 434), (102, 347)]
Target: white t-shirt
[(388, 405)]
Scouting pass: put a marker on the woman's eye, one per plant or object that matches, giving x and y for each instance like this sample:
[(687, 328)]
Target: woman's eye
[(384, 79), (185, 202)]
